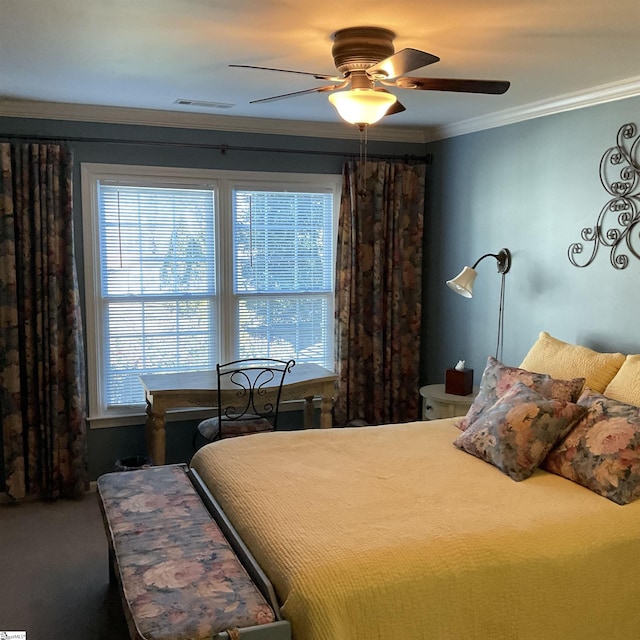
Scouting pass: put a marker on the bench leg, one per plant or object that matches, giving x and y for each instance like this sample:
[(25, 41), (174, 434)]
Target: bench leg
[(113, 579)]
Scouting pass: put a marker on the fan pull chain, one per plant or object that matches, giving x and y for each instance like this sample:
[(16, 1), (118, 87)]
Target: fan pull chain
[(364, 143)]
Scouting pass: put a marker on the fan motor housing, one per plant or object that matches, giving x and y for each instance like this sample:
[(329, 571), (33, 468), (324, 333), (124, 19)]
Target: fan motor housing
[(358, 48)]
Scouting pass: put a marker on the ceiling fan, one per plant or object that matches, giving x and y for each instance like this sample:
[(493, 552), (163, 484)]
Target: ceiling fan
[(366, 59)]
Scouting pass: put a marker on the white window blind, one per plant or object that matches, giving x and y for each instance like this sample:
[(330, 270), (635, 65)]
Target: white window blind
[(283, 274), (187, 268), (158, 284)]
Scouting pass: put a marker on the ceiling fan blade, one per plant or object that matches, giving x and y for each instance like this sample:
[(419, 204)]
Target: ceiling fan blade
[(400, 63), (396, 107), (317, 76), (453, 84), (330, 87)]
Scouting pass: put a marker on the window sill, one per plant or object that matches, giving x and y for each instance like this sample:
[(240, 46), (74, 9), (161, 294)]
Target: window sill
[(137, 416)]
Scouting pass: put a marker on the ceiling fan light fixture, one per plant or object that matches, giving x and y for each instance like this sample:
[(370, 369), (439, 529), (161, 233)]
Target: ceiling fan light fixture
[(362, 106)]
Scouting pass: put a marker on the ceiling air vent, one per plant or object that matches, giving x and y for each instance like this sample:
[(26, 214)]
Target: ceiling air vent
[(204, 103)]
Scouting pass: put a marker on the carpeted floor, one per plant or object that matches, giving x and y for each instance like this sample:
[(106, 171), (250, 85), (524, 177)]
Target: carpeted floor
[(54, 578)]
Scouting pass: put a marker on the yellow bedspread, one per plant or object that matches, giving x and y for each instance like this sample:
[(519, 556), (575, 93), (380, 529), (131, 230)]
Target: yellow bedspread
[(392, 532)]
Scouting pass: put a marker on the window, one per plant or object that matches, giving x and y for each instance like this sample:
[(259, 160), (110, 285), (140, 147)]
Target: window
[(187, 268)]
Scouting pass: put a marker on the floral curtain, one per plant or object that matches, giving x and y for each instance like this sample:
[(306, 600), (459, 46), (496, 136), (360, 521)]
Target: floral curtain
[(42, 377), (378, 292)]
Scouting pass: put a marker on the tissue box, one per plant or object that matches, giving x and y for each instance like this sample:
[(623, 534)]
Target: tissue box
[(459, 382)]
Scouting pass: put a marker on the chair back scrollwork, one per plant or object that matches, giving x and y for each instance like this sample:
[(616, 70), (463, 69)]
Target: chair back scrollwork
[(256, 385)]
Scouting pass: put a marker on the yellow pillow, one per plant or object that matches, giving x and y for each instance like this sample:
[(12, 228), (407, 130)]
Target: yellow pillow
[(563, 360), (625, 385)]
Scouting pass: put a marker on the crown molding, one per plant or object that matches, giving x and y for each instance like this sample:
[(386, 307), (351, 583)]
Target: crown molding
[(628, 88), (16, 108)]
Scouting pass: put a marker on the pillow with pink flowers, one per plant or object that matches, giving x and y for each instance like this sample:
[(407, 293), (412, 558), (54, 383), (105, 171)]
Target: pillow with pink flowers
[(602, 452), (519, 430), (498, 378)]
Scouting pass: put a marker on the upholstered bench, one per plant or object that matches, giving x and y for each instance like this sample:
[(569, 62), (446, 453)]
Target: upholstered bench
[(178, 575)]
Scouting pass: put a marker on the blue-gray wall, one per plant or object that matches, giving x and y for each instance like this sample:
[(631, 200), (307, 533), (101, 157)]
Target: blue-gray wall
[(107, 143), (531, 187)]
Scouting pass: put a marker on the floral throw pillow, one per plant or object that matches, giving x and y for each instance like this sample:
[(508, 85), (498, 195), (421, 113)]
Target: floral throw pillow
[(519, 430), (602, 452), (498, 378)]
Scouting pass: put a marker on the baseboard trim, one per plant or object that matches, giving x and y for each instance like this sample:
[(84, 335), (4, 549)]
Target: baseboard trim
[(4, 496)]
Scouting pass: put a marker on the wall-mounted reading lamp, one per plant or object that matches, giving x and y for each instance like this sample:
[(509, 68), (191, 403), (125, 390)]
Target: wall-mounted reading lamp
[(462, 284)]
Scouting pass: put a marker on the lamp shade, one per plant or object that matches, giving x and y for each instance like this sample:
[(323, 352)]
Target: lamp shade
[(463, 282), (362, 106)]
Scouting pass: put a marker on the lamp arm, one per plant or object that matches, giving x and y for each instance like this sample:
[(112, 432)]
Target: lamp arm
[(481, 258), (503, 258)]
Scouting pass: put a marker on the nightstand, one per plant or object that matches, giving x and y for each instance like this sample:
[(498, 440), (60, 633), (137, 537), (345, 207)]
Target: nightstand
[(438, 404)]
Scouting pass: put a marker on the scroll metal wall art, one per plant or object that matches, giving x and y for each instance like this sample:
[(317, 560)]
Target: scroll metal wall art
[(617, 223)]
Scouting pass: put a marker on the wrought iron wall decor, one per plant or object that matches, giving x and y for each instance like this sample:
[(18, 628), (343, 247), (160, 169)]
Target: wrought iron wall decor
[(618, 221)]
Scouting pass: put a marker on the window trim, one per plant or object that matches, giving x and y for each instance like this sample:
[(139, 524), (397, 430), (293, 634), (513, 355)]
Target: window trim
[(224, 182)]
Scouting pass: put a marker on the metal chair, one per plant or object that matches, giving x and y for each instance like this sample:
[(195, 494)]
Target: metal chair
[(252, 406)]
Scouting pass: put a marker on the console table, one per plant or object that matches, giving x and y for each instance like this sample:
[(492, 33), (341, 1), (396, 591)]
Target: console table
[(165, 391)]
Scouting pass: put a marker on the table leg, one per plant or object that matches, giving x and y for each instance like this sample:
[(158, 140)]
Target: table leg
[(156, 435), (326, 419), (308, 412)]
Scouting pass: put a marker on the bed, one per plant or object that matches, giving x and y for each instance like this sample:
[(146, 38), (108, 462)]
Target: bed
[(393, 532)]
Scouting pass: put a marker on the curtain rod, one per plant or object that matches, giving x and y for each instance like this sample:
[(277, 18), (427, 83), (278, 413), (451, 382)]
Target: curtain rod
[(223, 148)]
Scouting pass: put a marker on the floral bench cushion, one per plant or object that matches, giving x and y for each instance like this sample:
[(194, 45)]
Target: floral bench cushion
[(180, 578)]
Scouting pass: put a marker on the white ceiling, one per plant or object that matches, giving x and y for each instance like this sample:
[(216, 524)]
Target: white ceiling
[(149, 53)]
